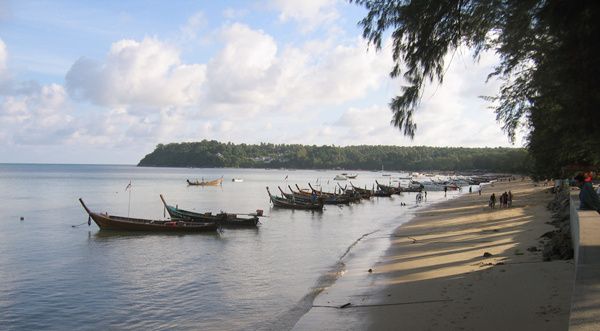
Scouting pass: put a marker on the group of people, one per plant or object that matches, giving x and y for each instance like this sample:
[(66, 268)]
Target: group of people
[(505, 200)]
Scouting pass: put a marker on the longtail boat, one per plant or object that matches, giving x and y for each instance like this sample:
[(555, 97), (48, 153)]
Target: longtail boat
[(298, 196), (222, 219), (382, 193), (364, 192), (387, 188), (214, 182), (283, 202), (334, 198), (411, 188), (112, 222), (351, 192)]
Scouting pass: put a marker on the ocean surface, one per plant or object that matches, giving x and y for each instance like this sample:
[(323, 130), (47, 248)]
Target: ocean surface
[(54, 276)]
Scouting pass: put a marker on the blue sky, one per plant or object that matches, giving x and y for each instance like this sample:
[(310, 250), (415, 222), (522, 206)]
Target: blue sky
[(104, 82)]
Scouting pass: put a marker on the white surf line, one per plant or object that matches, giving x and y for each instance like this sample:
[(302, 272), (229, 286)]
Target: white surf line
[(346, 306)]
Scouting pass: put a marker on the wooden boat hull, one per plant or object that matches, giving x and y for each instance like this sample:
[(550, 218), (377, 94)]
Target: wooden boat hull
[(111, 222), (293, 204), (120, 223), (223, 219), (387, 188), (216, 182), (284, 203), (385, 194)]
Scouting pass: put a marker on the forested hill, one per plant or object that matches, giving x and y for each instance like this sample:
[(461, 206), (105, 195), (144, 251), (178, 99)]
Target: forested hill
[(215, 154)]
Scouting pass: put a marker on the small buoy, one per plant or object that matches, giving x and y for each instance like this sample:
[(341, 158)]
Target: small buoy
[(22, 218), (370, 270)]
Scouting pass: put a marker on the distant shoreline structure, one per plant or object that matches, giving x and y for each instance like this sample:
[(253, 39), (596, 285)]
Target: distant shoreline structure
[(214, 154)]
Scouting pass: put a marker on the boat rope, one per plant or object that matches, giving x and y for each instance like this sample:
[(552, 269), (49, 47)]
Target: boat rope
[(78, 225)]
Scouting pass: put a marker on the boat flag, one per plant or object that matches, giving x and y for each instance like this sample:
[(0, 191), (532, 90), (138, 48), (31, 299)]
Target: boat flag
[(128, 186), (286, 177)]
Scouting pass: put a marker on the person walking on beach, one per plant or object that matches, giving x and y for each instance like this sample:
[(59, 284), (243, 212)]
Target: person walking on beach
[(588, 198), (510, 196), (445, 190), (479, 189), (493, 201), (470, 189)]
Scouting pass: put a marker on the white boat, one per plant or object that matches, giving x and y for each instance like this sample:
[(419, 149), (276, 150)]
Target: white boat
[(237, 180), (340, 177)]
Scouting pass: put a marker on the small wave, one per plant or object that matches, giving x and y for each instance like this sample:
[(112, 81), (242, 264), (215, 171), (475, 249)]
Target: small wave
[(287, 320)]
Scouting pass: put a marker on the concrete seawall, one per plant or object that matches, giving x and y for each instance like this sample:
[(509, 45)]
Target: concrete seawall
[(585, 302)]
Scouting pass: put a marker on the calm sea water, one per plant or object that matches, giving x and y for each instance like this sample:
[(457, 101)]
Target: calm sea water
[(57, 277)]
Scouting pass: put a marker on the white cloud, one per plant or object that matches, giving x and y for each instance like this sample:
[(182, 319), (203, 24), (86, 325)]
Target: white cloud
[(238, 72), (194, 23), (451, 114), (146, 73), (254, 73), (234, 13), (39, 118), (3, 58), (148, 92), (309, 14)]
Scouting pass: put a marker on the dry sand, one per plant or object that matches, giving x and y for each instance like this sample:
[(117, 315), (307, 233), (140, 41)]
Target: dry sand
[(434, 275)]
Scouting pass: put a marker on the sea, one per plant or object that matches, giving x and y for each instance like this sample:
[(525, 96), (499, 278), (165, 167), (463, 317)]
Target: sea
[(59, 273)]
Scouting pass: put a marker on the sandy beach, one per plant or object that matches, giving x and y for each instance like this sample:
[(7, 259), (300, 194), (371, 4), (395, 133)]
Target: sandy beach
[(434, 276)]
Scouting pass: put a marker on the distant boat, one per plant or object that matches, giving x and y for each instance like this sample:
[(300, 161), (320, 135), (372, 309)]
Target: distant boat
[(340, 177), (111, 222), (215, 182), (353, 176), (237, 180)]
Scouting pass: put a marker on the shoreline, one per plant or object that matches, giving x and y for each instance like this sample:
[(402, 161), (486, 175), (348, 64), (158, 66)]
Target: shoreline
[(434, 276)]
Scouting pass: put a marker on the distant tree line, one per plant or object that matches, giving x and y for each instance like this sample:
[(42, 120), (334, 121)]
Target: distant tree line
[(216, 154)]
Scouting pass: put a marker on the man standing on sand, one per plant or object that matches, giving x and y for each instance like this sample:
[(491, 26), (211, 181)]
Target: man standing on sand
[(588, 198), (510, 199), (493, 201)]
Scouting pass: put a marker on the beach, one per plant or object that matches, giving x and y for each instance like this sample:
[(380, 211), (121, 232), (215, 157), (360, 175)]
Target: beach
[(458, 265)]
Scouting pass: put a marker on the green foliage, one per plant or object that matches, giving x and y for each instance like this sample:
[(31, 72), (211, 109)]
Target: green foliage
[(549, 65), (215, 154)]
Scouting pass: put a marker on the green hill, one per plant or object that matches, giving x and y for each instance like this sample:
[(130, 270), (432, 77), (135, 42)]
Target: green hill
[(214, 154)]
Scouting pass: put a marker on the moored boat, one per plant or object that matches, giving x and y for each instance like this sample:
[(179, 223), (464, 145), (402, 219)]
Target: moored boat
[(387, 188), (364, 192), (283, 202), (112, 222), (222, 218), (214, 182)]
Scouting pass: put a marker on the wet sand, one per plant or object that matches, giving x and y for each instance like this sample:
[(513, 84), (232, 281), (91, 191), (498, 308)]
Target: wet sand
[(434, 276)]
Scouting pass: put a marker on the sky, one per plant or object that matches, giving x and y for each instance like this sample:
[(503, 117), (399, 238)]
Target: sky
[(106, 81)]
